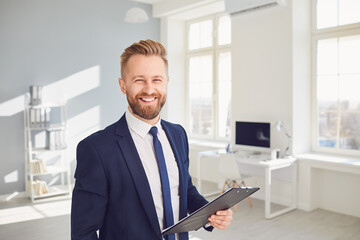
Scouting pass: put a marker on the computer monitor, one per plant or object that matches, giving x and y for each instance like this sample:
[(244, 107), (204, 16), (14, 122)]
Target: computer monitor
[(253, 134)]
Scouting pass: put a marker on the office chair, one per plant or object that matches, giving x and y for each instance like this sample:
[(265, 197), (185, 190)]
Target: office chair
[(229, 169)]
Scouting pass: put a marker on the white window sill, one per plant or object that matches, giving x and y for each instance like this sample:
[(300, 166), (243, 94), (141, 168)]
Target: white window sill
[(330, 159)]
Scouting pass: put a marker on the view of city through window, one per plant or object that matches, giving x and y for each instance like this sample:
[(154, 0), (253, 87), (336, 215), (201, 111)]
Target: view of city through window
[(338, 75), (209, 77)]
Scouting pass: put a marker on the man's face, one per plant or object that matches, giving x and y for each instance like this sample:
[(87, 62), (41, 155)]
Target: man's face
[(145, 85)]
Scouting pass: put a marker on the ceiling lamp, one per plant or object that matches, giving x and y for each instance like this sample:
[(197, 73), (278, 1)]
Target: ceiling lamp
[(136, 15)]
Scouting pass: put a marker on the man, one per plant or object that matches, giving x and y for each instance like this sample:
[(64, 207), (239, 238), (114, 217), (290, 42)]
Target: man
[(132, 178)]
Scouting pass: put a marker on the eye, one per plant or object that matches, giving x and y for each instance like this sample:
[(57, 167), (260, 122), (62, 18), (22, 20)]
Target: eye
[(157, 80), (138, 80)]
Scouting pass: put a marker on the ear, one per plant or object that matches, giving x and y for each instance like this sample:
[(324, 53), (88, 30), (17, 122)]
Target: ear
[(122, 85)]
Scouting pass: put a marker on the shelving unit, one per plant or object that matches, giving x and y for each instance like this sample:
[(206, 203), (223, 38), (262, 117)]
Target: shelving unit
[(47, 170)]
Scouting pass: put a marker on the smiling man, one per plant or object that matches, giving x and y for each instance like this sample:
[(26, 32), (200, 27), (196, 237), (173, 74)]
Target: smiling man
[(132, 178)]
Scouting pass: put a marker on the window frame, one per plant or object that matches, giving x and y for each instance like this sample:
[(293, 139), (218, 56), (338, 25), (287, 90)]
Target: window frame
[(215, 50), (322, 34)]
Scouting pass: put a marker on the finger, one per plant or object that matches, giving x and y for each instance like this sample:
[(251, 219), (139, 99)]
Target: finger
[(224, 217), (219, 225), (220, 221), (224, 212)]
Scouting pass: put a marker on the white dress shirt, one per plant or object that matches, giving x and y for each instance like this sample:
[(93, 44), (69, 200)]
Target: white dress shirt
[(139, 131)]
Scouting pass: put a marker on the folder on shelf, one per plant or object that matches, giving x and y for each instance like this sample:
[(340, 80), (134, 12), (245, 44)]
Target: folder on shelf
[(199, 218), (32, 118)]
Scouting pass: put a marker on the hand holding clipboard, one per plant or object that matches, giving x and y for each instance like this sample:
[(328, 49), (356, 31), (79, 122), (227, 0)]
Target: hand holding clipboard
[(200, 217)]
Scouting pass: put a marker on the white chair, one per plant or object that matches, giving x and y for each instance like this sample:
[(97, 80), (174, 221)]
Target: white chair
[(229, 169)]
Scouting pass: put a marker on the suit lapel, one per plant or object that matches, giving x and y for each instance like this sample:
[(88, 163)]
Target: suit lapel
[(137, 171), (173, 140)]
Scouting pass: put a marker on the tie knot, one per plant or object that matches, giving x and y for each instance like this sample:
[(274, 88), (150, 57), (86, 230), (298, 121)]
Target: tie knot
[(153, 132)]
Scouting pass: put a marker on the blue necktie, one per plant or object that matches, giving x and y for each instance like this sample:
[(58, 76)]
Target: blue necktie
[(165, 185)]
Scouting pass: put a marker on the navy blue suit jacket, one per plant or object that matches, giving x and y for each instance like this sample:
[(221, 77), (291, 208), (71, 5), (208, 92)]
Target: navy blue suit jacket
[(112, 193)]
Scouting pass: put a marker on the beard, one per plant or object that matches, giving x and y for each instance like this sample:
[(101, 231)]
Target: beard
[(146, 112)]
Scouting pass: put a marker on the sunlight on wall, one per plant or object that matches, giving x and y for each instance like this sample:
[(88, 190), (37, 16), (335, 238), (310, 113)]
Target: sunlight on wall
[(12, 177), (84, 123), (81, 126), (73, 85), (12, 106), (70, 87)]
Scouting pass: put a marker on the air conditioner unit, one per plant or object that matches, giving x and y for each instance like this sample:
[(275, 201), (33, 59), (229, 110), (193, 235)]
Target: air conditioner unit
[(244, 6)]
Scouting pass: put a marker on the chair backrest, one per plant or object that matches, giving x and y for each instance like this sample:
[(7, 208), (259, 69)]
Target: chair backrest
[(228, 167)]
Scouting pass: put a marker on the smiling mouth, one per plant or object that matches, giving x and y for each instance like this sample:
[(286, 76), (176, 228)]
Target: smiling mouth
[(148, 99)]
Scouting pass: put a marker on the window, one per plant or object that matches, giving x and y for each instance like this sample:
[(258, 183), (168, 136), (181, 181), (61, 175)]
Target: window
[(209, 77), (337, 73)]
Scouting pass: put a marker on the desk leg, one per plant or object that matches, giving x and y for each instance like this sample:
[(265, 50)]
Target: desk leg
[(292, 206), (267, 192), (294, 175), (199, 173)]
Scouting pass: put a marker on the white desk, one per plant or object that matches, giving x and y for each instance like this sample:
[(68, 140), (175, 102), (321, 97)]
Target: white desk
[(268, 166)]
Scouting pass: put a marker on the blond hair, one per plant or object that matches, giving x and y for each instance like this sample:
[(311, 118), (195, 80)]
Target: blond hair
[(144, 47)]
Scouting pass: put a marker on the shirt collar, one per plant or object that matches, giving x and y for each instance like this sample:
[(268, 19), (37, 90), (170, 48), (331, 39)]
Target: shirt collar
[(138, 126)]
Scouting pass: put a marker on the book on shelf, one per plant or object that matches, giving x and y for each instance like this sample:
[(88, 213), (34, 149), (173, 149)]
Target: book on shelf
[(42, 117), (40, 187), (32, 114), (56, 139), (39, 117), (47, 117), (38, 166), (35, 95)]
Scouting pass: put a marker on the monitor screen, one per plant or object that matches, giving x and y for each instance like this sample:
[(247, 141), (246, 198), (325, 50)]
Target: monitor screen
[(252, 134)]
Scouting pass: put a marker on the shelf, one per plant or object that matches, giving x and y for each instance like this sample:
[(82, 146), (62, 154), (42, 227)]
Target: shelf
[(47, 105), (50, 170), (53, 127), (38, 150), (53, 191), (45, 139)]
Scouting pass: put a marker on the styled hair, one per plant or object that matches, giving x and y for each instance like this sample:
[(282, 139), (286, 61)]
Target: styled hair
[(144, 47)]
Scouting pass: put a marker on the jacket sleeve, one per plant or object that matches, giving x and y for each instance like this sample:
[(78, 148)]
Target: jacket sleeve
[(89, 198)]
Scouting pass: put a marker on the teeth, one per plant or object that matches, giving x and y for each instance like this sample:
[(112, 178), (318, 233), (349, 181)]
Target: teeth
[(148, 99)]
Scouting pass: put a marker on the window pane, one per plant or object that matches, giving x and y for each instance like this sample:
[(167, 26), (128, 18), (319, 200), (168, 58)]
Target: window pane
[(327, 129), (200, 35), (224, 30), (349, 11), (327, 93), (349, 54), (200, 94), (326, 13), (327, 56), (349, 92), (224, 94), (331, 13), (350, 131)]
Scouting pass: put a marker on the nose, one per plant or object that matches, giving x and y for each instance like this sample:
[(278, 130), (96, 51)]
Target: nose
[(149, 87)]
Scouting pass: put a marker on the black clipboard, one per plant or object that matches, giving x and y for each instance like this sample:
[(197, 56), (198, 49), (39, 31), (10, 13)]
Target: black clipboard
[(200, 217)]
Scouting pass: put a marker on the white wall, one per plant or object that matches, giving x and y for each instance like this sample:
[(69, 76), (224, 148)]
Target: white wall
[(71, 47), (301, 76), (271, 76), (262, 69), (175, 43)]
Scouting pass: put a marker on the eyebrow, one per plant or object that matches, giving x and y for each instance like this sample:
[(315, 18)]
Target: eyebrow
[(143, 76)]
